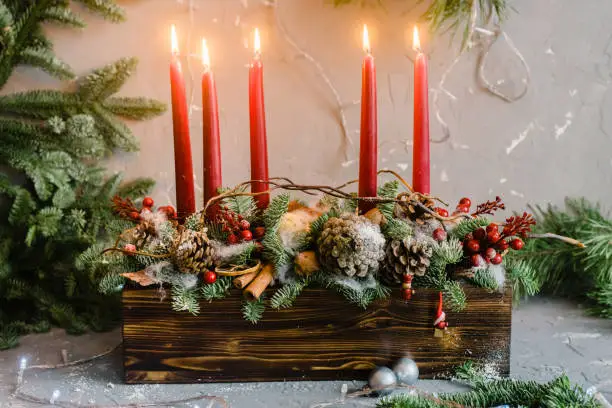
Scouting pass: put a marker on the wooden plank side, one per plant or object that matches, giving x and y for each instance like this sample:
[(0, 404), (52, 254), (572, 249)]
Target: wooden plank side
[(321, 338)]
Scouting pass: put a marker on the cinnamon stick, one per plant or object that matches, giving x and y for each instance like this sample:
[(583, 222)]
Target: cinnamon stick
[(242, 281), (260, 283)]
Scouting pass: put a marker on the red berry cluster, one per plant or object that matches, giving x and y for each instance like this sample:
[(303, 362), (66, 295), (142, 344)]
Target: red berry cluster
[(126, 208), (237, 227), (463, 206), (488, 245)]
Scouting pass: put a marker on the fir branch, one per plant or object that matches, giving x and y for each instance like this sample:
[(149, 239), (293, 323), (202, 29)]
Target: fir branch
[(243, 257), (388, 190), (483, 278), (185, 299), (523, 278), (455, 297), (273, 214), (253, 311), (47, 61), (134, 108), (106, 81), (274, 250), (217, 290), (285, 296), (106, 8), (63, 16), (396, 229), (136, 188), (316, 227), (241, 205), (467, 226)]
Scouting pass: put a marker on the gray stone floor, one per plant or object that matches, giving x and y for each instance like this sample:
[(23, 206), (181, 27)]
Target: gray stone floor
[(549, 337)]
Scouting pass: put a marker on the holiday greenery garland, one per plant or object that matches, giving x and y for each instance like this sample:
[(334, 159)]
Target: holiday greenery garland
[(54, 194), (404, 241), (583, 273), (489, 392)]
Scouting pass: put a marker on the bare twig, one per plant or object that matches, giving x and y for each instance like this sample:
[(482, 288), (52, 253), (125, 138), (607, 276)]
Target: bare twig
[(549, 235)]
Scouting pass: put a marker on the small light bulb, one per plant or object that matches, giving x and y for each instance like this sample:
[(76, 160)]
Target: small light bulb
[(23, 363)]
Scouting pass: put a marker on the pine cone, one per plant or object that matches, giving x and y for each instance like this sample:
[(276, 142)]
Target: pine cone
[(351, 245), (142, 232), (407, 256), (193, 253), (407, 208)]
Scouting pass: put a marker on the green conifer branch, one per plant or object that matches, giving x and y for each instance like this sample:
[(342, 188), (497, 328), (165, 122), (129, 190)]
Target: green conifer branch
[(217, 290), (388, 190), (454, 296), (467, 226), (285, 296), (252, 311)]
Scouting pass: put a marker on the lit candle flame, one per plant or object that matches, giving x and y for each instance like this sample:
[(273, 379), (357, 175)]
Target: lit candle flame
[(205, 55), (174, 40), (366, 40), (416, 42), (257, 42)]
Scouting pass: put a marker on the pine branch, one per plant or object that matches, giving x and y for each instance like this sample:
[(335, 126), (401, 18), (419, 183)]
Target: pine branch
[(285, 296), (388, 190), (217, 290), (484, 278), (467, 226), (185, 299), (523, 278), (106, 8), (455, 297), (242, 205), (47, 61), (134, 108), (396, 229), (253, 311), (63, 16), (106, 81), (273, 214)]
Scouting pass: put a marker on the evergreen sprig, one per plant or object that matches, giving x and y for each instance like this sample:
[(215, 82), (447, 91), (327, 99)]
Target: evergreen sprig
[(285, 296), (396, 229), (454, 296), (566, 270), (252, 311), (217, 290), (467, 226), (483, 278), (388, 190), (488, 392)]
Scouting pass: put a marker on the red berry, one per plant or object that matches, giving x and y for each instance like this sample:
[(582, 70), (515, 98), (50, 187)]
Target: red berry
[(439, 234), (493, 236), (490, 253), (169, 210), (517, 244), (480, 234), (246, 235), (476, 260), (148, 202), (502, 245), (465, 201), (408, 278), (259, 232), (407, 294), (134, 215), (463, 208), (492, 227), (210, 277), (497, 259), (232, 239), (472, 245), (245, 225), (442, 211), (129, 248)]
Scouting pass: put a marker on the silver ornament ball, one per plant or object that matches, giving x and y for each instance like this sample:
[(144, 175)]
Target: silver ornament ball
[(407, 371), (382, 380)]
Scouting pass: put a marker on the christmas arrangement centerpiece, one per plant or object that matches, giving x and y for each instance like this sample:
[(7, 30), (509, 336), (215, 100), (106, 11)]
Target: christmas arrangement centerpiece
[(254, 246)]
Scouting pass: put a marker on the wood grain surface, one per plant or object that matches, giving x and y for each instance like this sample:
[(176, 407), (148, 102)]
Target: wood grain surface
[(322, 337)]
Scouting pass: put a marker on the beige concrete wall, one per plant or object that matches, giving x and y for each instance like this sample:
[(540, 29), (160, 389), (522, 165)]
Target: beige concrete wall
[(552, 143)]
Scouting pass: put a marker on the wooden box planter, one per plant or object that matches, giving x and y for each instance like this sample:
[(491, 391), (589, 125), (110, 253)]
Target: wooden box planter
[(322, 337)]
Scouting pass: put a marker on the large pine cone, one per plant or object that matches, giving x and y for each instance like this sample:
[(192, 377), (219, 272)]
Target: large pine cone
[(406, 208), (407, 256), (193, 253), (351, 245)]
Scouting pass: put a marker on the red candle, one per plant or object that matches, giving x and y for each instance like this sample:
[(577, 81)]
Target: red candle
[(368, 146), (211, 142), (420, 152), (257, 116), (183, 166)]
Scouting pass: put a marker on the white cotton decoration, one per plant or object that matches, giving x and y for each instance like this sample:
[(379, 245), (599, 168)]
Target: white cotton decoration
[(223, 253)]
